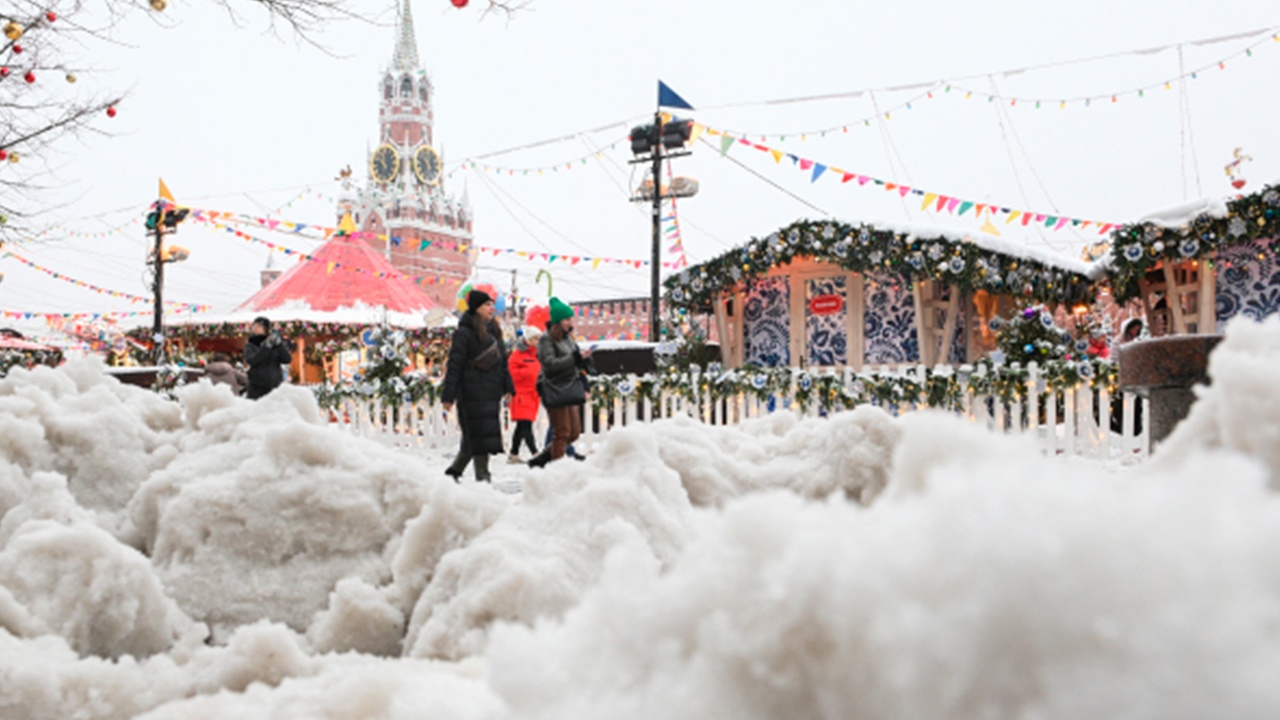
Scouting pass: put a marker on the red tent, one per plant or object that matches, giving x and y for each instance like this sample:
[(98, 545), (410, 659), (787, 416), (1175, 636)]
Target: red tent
[(8, 342), (345, 273)]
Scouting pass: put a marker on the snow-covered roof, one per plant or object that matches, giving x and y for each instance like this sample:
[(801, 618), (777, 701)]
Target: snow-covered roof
[(300, 311)]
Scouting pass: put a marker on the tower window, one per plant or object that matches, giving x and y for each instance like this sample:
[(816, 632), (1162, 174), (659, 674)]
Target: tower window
[(422, 92), (406, 89), (388, 88)]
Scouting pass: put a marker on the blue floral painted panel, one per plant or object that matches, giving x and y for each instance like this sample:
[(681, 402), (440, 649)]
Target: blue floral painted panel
[(956, 354), (826, 342), (889, 323), (767, 317), (1246, 285)]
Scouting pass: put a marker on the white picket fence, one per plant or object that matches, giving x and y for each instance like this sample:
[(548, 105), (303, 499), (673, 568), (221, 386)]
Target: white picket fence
[(1081, 421)]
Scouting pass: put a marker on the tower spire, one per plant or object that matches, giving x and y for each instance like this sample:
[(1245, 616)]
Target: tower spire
[(406, 55)]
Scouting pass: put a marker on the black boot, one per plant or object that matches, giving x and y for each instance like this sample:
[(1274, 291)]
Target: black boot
[(482, 468), (458, 466), (541, 459)]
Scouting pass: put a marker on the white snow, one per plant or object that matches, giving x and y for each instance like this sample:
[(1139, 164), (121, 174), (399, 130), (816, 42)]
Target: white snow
[(220, 558), (1178, 216)]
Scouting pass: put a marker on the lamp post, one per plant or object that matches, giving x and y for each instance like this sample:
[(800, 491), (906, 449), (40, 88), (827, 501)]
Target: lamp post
[(162, 220)]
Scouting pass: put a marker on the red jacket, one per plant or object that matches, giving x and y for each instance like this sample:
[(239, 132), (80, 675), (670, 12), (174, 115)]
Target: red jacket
[(524, 368)]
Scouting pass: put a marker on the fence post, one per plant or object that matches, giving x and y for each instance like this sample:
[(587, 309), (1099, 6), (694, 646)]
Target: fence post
[(1033, 400)]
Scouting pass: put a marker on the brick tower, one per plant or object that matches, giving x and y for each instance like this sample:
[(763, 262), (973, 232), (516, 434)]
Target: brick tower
[(404, 197)]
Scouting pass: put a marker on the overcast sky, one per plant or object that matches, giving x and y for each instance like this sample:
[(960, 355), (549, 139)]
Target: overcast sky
[(236, 119)]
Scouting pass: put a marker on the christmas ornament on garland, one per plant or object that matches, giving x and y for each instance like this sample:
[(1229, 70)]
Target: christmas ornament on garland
[(51, 16), (4, 154), (159, 5), (71, 78), (111, 111), (13, 157), (12, 30), (1233, 168), (4, 71), (17, 49), (30, 77), (459, 3)]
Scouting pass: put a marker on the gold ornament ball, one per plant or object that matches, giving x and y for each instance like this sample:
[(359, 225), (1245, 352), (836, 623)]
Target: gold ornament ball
[(71, 78), (13, 157), (159, 5), (12, 30)]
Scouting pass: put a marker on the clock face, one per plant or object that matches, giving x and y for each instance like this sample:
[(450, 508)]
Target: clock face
[(385, 164), (426, 165)]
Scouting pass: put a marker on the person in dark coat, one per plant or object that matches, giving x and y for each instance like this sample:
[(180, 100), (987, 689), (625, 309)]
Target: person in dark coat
[(477, 379), (265, 353), (562, 362)]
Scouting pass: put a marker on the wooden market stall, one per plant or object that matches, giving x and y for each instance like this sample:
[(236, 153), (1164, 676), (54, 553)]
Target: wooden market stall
[(1197, 266), (831, 294)]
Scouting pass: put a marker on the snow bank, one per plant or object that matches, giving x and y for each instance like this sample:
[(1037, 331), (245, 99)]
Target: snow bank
[(847, 453), (997, 587), (266, 508), (1240, 410), (44, 679), (539, 557), (82, 584), (354, 688), (103, 436)]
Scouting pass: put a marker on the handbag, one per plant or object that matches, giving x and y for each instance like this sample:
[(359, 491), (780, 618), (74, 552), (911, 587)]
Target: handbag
[(486, 359), (566, 394)]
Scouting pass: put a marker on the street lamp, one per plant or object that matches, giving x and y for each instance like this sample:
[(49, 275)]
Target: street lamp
[(163, 219)]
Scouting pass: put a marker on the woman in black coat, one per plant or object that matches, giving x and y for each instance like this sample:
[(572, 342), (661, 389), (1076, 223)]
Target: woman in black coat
[(477, 379)]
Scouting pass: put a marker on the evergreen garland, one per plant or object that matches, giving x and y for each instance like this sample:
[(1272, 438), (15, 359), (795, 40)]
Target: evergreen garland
[(870, 250), (1137, 248)]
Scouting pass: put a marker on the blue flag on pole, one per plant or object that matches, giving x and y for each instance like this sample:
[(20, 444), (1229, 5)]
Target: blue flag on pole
[(669, 98)]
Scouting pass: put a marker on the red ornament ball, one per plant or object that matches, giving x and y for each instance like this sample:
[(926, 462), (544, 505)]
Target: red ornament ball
[(459, 3), (4, 72), (111, 111), (29, 77), (4, 155), (51, 16), (17, 49)]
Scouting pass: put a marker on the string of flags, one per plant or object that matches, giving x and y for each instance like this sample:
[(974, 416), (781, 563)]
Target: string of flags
[(930, 201), (223, 218), (949, 88), (1114, 96), (24, 315), (330, 265), (673, 235), (187, 307), (566, 165)]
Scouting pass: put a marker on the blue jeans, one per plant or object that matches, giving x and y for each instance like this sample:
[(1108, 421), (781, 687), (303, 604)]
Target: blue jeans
[(570, 451)]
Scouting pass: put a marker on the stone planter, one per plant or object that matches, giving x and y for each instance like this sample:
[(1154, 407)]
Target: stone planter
[(1164, 370)]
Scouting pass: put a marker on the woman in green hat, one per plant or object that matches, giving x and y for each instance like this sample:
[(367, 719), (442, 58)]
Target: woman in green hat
[(561, 384)]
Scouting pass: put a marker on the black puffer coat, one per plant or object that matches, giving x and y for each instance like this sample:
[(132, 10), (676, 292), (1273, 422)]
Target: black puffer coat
[(265, 354), (478, 393)]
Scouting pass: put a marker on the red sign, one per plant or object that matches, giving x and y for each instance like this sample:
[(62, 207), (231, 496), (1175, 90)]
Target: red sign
[(826, 305)]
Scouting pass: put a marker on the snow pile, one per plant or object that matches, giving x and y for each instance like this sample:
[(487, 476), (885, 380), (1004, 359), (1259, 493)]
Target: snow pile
[(847, 453), (103, 436), (266, 508), (354, 688), (80, 583), (44, 679), (1240, 410), (538, 558), (1004, 585)]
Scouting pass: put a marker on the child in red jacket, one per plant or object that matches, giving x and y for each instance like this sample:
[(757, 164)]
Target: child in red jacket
[(524, 367)]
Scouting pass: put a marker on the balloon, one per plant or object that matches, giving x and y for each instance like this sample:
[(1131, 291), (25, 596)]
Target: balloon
[(538, 316), (499, 299)]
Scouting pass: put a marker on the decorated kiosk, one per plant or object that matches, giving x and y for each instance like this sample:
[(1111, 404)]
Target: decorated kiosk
[(1195, 267), (829, 294)]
